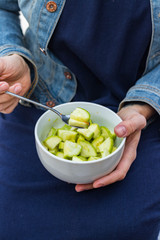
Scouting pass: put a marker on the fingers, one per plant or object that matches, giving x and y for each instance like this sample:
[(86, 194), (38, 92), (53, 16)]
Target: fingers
[(8, 103), (2, 67), (130, 127), (127, 127), (122, 168), (83, 187), (4, 86), (14, 77)]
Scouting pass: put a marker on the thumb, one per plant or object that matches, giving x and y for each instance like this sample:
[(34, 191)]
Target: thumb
[(2, 66), (129, 126)]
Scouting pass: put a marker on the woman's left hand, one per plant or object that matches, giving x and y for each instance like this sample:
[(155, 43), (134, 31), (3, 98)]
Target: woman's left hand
[(133, 121)]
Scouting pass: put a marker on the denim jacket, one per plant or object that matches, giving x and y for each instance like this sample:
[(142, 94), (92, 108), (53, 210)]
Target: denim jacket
[(52, 82)]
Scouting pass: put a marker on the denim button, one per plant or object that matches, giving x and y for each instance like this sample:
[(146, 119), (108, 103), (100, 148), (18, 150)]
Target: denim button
[(50, 104), (51, 6), (68, 75)]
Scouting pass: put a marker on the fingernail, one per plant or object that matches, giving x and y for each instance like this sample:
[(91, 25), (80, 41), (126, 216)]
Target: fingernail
[(121, 130), (78, 189), (17, 89), (3, 87)]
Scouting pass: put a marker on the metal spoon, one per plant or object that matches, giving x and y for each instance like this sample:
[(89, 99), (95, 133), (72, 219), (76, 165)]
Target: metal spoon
[(65, 118)]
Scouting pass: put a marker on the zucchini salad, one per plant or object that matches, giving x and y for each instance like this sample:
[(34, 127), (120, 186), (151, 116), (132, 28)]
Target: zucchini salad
[(87, 143)]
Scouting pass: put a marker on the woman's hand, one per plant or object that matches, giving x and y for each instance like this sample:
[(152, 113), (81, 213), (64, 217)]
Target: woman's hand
[(134, 120), (14, 77)]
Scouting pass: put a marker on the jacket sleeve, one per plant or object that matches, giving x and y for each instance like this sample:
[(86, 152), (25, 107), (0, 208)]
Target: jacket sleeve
[(12, 40), (146, 89)]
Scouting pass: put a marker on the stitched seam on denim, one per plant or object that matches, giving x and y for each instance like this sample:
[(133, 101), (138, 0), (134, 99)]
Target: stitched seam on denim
[(46, 89), (55, 22), (40, 17), (30, 14), (152, 37), (10, 47), (53, 25), (146, 87), (62, 88), (64, 83), (137, 98), (155, 55)]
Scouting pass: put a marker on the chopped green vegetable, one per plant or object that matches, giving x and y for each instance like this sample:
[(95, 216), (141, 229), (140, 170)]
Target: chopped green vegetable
[(86, 133), (95, 128), (61, 146), (97, 141), (67, 135), (52, 141), (107, 144), (60, 154), (78, 159), (80, 144), (79, 118), (93, 158), (71, 149), (105, 132), (80, 114), (52, 132), (87, 149), (54, 151)]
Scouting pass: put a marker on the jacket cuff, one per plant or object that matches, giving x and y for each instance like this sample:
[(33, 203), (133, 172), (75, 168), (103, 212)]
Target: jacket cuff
[(145, 94), (14, 49)]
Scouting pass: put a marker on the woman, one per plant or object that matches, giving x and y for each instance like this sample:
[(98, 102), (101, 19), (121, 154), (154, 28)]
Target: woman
[(99, 51)]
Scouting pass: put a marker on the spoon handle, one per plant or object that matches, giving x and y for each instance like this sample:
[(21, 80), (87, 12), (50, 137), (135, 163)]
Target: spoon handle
[(33, 102)]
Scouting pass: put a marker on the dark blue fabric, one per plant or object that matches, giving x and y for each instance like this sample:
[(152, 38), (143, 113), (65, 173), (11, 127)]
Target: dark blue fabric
[(105, 44), (35, 205)]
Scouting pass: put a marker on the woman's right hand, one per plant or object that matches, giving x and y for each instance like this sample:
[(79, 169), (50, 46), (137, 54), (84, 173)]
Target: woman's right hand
[(14, 77)]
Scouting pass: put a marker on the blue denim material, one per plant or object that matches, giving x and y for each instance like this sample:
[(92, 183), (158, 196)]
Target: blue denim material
[(49, 71), (48, 80), (147, 88)]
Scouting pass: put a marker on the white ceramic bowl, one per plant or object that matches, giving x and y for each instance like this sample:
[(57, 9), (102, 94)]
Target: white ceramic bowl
[(75, 172)]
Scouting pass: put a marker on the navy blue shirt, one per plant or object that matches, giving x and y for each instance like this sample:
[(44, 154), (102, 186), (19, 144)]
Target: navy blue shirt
[(105, 44)]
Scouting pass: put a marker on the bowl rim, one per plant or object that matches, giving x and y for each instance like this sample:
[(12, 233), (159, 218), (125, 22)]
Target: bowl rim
[(66, 160)]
